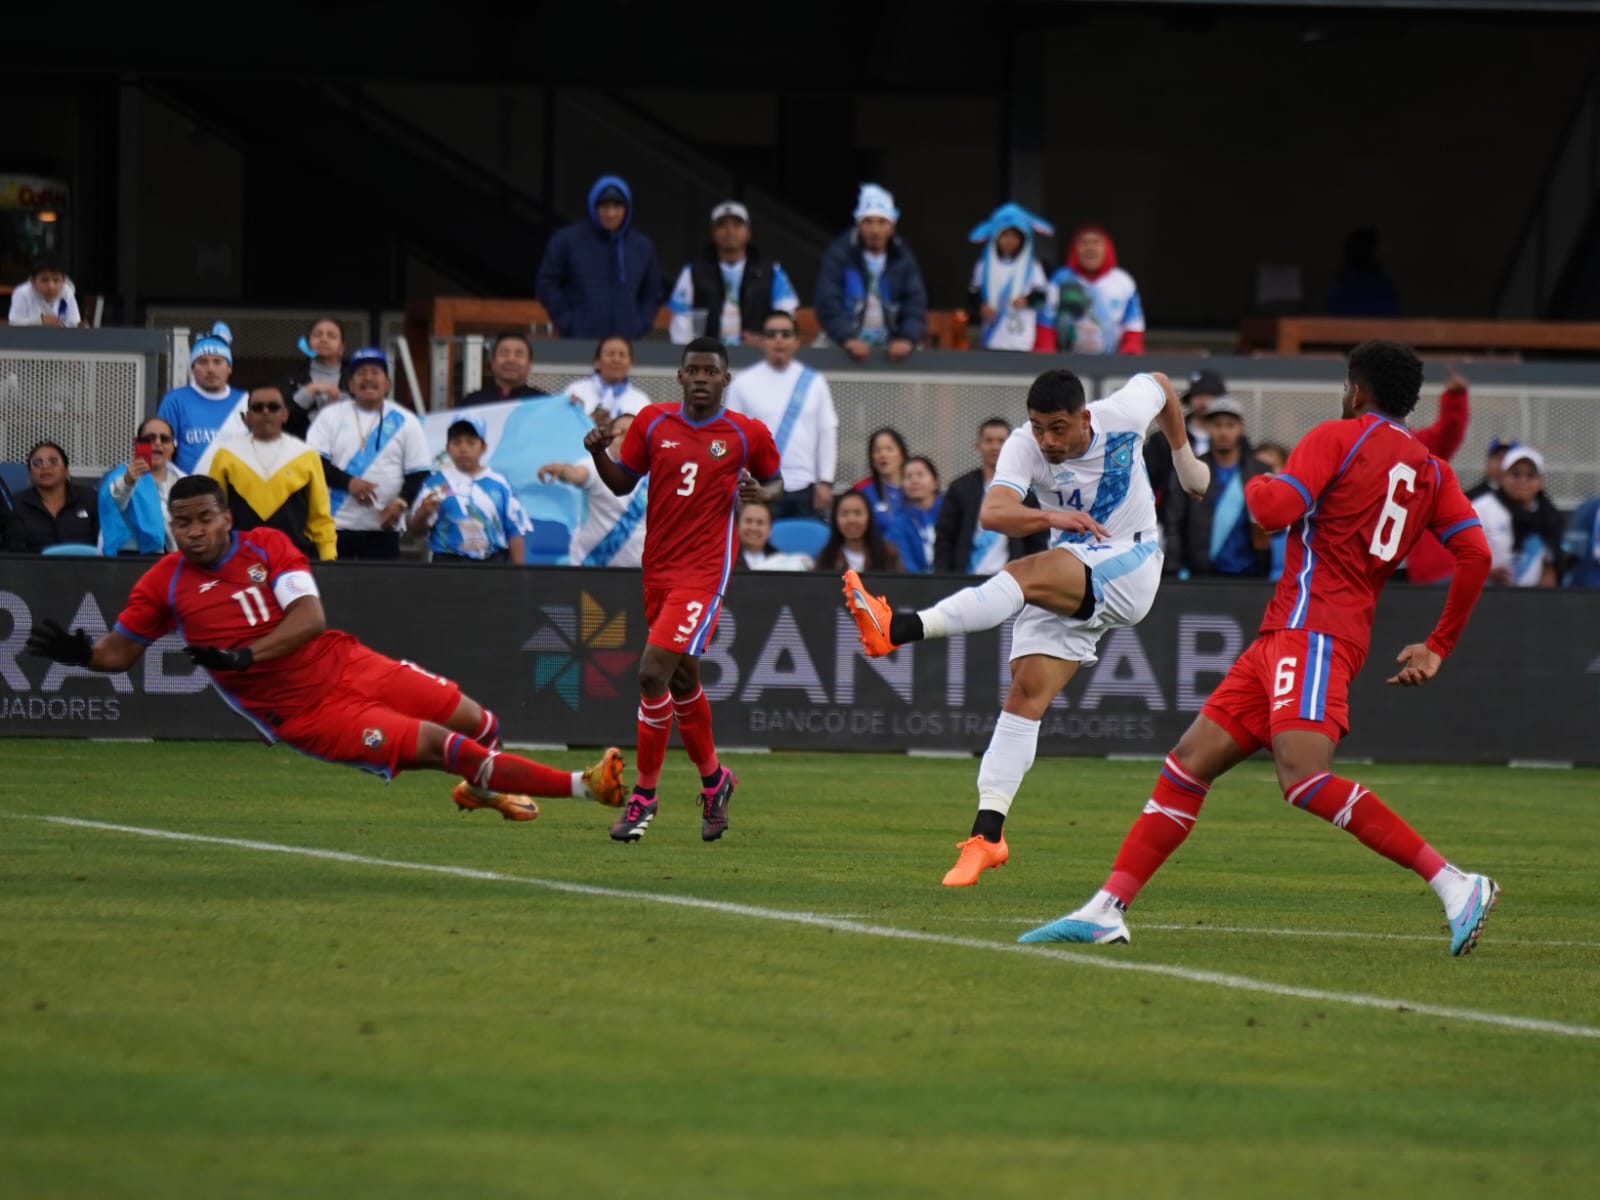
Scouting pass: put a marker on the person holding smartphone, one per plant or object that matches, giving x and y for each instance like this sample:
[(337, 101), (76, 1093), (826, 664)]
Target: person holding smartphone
[(133, 501)]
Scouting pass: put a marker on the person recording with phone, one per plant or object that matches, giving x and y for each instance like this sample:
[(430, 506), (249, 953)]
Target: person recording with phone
[(133, 501)]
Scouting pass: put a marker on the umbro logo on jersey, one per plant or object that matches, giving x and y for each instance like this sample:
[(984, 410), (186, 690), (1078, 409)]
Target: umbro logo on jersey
[(209, 584), (668, 443)]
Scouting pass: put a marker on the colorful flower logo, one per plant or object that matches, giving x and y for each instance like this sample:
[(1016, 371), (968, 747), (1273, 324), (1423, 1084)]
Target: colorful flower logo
[(580, 652)]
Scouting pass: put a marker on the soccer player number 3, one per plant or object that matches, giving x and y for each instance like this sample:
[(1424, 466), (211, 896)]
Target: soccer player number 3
[(254, 605), (690, 470), (1393, 515)]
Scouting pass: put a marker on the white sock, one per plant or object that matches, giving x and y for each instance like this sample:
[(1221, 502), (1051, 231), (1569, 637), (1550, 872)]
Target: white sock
[(991, 603), (580, 789), (1011, 749), (1103, 909), (1453, 889)]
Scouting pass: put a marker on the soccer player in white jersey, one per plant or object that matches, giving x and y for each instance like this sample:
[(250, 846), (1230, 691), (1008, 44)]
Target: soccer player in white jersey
[(1084, 462)]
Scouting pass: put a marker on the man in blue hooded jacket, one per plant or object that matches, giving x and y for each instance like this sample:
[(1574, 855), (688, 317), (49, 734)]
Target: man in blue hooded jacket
[(600, 276), (869, 287)]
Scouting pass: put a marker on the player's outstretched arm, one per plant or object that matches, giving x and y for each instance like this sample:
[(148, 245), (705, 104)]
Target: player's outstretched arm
[(302, 621), (1419, 664), (112, 653), (612, 474), (1193, 474)]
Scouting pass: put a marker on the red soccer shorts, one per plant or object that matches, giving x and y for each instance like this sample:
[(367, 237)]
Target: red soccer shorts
[(681, 619), (1286, 679), (371, 713)]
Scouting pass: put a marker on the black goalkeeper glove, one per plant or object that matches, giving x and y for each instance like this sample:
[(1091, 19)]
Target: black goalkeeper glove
[(51, 641), (215, 658)]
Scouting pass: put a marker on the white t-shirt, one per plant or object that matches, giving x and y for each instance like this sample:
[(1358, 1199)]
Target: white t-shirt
[(593, 394), (812, 450), (27, 306), (391, 444), (1527, 563), (777, 561), (605, 509), (1108, 481)]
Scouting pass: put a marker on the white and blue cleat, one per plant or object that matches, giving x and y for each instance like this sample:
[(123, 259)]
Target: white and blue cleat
[(1466, 925), (1073, 928)]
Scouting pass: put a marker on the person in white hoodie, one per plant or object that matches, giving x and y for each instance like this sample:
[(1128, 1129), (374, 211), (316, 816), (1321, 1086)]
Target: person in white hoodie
[(47, 298)]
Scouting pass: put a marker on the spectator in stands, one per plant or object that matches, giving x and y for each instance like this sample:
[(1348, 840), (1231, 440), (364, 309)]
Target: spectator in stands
[(273, 478), (132, 504), (869, 287), (607, 394), (1009, 288), (53, 510), (1429, 562), (1273, 456), (1362, 289), (612, 535), (913, 529), (1215, 536), (509, 368), (1493, 459), (208, 405), (1523, 527), (960, 547), (886, 460), (756, 552), (855, 539), (46, 297), (793, 401), (319, 381), (1203, 386), (375, 459), (471, 513), (728, 291), (1096, 303), (1580, 546), (600, 276)]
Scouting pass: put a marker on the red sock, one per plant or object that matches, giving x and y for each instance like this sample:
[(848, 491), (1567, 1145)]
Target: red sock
[(694, 727), (1171, 812), (500, 771), (655, 726), (488, 733), (1352, 808)]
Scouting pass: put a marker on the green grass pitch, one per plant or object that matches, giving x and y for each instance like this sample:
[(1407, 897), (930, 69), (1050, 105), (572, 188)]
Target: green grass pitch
[(184, 1018)]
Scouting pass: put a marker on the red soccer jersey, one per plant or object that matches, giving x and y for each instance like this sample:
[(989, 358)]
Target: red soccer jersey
[(238, 600), (1367, 489), (694, 470)]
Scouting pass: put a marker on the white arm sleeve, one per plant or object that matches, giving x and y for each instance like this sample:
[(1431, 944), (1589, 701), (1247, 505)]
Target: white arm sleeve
[(1019, 463), (292, 586)]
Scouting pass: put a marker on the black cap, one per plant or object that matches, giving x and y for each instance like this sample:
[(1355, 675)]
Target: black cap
[(1205, 383), (611, 194)]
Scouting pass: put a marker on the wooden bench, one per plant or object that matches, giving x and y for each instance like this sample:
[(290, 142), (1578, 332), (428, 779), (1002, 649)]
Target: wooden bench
[(1299, 335)]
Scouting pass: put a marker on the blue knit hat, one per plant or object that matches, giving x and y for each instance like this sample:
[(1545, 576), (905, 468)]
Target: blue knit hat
[(218, 340)]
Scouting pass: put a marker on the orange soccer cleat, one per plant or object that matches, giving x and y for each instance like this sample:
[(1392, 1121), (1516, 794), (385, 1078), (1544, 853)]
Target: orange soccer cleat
[(511, 807), (604, 779), (977, 856), (872, 614)]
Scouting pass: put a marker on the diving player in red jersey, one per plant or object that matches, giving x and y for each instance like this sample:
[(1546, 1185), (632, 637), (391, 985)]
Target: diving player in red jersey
[(702, 461), (1357, 494), (249, 612)]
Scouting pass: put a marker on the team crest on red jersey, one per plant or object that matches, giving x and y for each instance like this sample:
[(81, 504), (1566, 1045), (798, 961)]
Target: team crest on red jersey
[(718, 447), (373, 738), (257, 573)]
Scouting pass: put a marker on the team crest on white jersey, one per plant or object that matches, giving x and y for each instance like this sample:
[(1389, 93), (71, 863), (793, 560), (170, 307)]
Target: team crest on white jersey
[(718, 448), (257, 573), (1122, 456)]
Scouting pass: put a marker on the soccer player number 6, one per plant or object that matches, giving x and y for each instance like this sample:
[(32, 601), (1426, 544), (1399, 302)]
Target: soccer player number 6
[(1393, 515)]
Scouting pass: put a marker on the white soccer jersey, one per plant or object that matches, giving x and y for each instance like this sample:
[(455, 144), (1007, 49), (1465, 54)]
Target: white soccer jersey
[(1108, 481)]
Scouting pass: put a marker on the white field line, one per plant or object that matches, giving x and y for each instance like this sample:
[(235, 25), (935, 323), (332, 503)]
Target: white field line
[(1100, 960), (1262, 931)]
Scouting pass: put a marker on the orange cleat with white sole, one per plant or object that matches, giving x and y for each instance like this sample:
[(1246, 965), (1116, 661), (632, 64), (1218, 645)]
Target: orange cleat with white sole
[(604, 779), (872, 615), (511, 807), (977, 856)]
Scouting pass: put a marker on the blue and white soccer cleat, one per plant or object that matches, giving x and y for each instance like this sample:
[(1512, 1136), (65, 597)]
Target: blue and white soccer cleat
[(1466, 925), (1073, 928)]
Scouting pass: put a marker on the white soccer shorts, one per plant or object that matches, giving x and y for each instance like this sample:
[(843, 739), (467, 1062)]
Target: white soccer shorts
[(1125, 582)]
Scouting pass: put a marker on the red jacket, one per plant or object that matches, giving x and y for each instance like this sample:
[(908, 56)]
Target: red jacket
[(1429, 562)]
